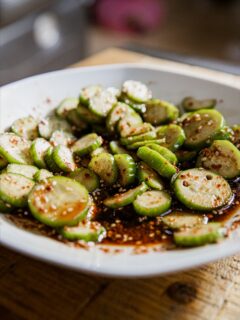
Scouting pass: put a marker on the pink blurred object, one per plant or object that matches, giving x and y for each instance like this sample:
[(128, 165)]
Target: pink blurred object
[(130, 15)]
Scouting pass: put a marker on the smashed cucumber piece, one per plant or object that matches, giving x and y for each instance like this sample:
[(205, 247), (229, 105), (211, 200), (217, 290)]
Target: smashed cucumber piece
[(149, 176), (200, 127), (152, 203), (127, 169), (26, 127), (104, 165), (192, 104), (166, 153), (86, 177), (38, 151), (173, 134), (86, 115), (23, 169), (59, 201), (178, 220), (15, 189), (222, 157), (87, 144), (66, 105), (157, 162), (201, 189), (136, 91), (47, 126), (199, 235), (160, 112), (115, 115), (123, 199), (42, 174)]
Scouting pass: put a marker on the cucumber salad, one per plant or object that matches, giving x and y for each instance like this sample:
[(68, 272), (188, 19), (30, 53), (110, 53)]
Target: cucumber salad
[(120, 166)]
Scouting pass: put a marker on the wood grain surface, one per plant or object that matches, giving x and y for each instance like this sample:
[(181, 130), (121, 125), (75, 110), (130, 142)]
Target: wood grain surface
[(30, 289)]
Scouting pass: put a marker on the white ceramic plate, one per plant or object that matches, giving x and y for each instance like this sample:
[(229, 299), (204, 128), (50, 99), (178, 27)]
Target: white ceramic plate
[(40, 94)]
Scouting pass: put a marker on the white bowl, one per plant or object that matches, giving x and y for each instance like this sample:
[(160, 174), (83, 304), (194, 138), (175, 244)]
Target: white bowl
[(39, 94)]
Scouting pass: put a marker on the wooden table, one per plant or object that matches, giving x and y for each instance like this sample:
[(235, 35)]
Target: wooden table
[(30, 289)]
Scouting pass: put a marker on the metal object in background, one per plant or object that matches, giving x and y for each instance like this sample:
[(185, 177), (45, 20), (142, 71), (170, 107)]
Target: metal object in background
[(40, 35)]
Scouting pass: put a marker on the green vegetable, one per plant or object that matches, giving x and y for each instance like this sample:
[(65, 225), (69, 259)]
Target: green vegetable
[(105, 167), (149, 176), (173, 134), (38, 151), (23, 169), (160, 112), (136, 91), (87, 144), (179, 220), (192, 104), (26, 127), (86, 177), (127, 169)]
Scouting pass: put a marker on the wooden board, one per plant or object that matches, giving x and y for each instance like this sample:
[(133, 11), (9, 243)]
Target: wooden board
[(30, 289)]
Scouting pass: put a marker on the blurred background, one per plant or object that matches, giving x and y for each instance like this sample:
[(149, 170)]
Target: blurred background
[(42, 35)]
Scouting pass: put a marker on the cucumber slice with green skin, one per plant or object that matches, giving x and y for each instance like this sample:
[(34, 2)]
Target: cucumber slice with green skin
[(102, 103), (166, 153), (139, 144), (23, 169), (123, 199), (136, 91), (88, 92), (51, 164), (116, 148), (139, 129), (129, 123), (173, 134), (47, 126), (157, 162), (26, 127), (87, 144), (152, 203), (149, 176), (86, 177), (105, 167), (151, 135), (74, 119), (236, 136), (222, 158), (127, 168), (15, 189), (199, 235), (15, 149), (180, 220), (160, 112), (3, 162), (42, 174), (88, 231), (192, 104), (201, 189), (201, 126), (115, 115), (5, 207), (86, 115), (65, 106), (139, 107), (38, 151), (185, 155), (63, 158), (60, 137), (98, 151), (59, 201)]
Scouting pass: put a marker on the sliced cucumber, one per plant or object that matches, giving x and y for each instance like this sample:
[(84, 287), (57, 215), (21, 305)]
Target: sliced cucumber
[(105, 167), (15, 189), (64, 138), (5, 207), (139, 107), (98, 151), (185, 155), (160, 112), (173, 134), (123, 199), (139, 144), (151, 135), (222, 157), (86, 230), (179, 220), (87, 144), (51, 164), (59, 201), (86, 115), (149, 176), (117, 113), (88, 92), (63, 158), (38, 151), (86, 177), (26, 127), (139, 129), (152, 203), (3, 162), (192, 104), (201, 126), (157, 162), (14, 148), (116, 148), (102, 103), (201, 189), (136, 91), (199, 235), (42, 174), (23, 169), (129, 123), (66, 105), (47, 126), (74, 119), (127, 168), (166, 153)]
